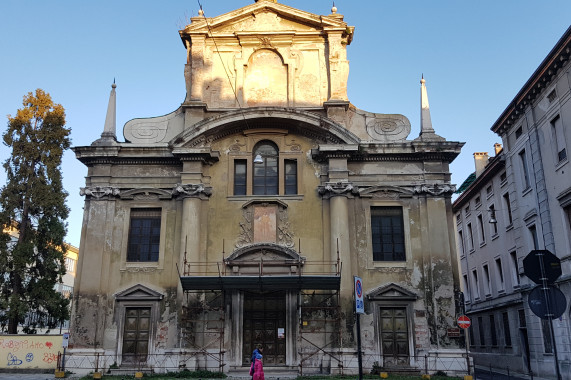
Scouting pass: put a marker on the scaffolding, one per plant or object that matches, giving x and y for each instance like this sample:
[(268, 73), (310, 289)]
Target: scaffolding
[(319, 334), (203, 327)]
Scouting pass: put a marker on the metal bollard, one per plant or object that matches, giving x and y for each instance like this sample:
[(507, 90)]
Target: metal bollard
[(509, 378), (491, 373)]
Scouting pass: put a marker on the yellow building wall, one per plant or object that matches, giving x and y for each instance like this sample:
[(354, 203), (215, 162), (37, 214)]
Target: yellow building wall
[(29, 351)]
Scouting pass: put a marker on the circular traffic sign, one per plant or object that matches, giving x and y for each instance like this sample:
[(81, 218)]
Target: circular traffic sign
[(359, 287), (540, 298), (464, 321)]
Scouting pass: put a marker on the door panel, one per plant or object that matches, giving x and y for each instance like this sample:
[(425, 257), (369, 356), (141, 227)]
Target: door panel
[(394, 337), (264, 314), (136, 334)]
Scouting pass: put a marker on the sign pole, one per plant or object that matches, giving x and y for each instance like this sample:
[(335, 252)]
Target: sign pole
[(549, 314), (359, 355), (359, 309)]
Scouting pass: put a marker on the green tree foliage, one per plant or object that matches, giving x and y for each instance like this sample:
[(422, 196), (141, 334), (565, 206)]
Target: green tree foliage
[(32, 216)]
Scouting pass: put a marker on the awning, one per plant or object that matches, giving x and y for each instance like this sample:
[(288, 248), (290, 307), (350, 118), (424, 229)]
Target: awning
[(260, 282)]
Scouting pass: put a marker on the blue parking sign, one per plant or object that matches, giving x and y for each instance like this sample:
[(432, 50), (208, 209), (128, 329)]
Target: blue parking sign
[(359, 304)]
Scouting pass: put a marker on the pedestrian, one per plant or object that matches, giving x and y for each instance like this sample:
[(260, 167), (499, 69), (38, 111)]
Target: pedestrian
[(257, 368)]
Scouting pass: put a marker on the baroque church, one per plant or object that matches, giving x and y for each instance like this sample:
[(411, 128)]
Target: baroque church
[(243, 217)]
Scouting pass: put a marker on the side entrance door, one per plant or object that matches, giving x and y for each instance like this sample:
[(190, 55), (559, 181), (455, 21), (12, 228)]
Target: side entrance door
[(394, 337), (264, 323), (136, 334)]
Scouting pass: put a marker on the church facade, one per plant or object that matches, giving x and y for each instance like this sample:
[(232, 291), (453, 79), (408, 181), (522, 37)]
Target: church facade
[(242, 217)]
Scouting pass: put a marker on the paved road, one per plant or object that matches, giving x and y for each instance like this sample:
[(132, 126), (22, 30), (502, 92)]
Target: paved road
[(26, 376)]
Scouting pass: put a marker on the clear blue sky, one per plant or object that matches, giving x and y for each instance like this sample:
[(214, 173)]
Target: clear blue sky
[(475, 56)]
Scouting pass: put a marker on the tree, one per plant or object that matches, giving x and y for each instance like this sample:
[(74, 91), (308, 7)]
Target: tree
[(33, 208)]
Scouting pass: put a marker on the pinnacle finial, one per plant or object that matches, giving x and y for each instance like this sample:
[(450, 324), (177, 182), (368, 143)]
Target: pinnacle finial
[(333, 8)]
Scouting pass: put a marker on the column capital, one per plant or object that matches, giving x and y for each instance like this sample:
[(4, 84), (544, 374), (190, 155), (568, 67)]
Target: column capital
[(191, 190), (333, 189), (99, 192)]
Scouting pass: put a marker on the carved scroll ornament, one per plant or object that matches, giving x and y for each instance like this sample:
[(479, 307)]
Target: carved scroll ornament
[(99, 192), (191, 190)]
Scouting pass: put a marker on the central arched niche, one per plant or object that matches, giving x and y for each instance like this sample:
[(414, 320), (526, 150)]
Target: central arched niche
[(266, 80)]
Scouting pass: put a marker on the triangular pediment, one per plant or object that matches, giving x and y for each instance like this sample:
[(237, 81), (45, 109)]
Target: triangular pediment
[(265, 16), (391, 291), (138, 293)]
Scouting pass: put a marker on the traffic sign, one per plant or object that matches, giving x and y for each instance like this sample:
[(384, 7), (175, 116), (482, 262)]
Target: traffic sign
[(65, 340), (464, 322), (359, 304), (538, 303), (551, 266)]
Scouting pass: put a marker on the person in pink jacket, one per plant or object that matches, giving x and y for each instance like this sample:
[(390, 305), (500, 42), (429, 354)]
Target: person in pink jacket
[(257, 368)]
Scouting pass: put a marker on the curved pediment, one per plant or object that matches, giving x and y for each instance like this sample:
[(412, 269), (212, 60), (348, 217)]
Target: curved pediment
[(389, 192), (146, 193), (265, 252), (391, 291), (299, 122)]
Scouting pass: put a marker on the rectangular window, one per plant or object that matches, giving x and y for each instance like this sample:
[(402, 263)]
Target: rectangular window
[(388, 233), (461, 242), (144, 235), (503, 178), (487, 281), (70, 265), (493, 220), (489, 191), (472, 340), (478, 201), (515, 270), (467, 288), (521, 317), (547, 342), (500, 276), (481, 228), (559, 139), (482, 332), (567, 212), (240, 177), (493, 331), (290, 167), (507, 334), (533, 236), (470, 237), (508, 209), (518, 132), (524, 169), (476, 286), (467, 210)]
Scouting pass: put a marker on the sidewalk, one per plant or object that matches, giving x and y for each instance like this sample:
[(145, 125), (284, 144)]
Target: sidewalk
[(483, 373)]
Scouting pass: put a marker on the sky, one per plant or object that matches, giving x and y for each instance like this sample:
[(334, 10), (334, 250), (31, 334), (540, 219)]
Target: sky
[(474, 55)]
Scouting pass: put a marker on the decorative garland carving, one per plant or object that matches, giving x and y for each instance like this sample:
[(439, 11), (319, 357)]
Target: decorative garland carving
[(332, 189), (99, 192), (246, 235), (435, 189), (191, 190)]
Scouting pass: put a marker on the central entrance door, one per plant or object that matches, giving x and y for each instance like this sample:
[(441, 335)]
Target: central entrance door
[(394, 335), (264, 323)]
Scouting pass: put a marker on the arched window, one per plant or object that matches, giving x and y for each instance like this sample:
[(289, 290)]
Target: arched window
[(265, 174)]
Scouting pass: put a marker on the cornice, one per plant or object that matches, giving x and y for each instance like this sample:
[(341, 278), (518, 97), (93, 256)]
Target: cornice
[(536, 84)]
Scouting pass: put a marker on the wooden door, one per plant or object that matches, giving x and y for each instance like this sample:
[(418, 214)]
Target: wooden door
[(264, 323), (136, 334), (394, 337)]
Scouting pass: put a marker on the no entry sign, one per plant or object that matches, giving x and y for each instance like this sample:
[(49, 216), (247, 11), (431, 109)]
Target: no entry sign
[(464, 321)]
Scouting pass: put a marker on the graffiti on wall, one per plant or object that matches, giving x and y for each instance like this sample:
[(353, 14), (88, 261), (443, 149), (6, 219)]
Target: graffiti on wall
[(29, 351)]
